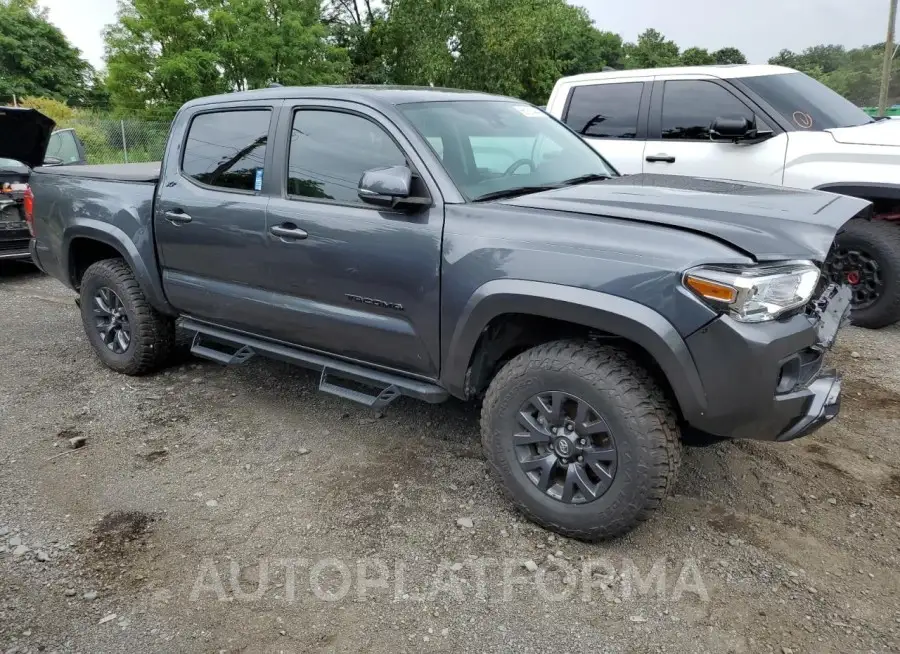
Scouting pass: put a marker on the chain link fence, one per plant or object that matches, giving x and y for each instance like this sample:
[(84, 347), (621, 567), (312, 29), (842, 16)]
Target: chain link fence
[(109, 140)]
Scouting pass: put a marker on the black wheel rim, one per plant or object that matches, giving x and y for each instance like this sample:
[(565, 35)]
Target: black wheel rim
[(111, 320), (565, 447), (860, 270)]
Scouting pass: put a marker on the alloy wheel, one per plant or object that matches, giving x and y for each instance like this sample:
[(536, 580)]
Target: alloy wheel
[(565, 447), (111, 320)]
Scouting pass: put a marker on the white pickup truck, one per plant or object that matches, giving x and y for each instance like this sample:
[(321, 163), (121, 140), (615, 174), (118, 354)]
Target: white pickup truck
[(763, 124)]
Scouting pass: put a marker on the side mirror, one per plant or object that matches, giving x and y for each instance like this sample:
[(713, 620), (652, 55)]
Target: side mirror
[(732, 129), (52, 161), (388, 187)]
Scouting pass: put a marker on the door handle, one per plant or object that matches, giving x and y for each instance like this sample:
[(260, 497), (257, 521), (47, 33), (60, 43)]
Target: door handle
[(289, 231), (660, 158), (177, 217)]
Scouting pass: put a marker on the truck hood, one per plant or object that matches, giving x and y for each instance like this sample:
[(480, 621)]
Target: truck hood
[(883, 132), (25, 135), (766, 222)]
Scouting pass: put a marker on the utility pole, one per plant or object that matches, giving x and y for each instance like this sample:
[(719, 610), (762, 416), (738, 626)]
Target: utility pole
[(888, 56)]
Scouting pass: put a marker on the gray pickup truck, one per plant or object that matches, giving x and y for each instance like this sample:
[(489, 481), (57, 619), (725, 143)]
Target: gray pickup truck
[(431, 243)]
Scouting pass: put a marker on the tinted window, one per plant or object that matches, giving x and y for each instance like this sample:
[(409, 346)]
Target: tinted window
[(690, 107), (605, 110), (806, 103), (227, 149), (331, 150)]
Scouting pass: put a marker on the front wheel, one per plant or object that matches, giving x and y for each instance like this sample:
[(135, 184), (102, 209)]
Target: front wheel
[(581, 439), (866, 255)]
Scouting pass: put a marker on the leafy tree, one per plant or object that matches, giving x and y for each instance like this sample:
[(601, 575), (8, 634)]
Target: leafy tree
[(258, 42), (512, 47), (36, 59), (697, 57), (360, 29), (652, 50), (725, 56), (161, 53)]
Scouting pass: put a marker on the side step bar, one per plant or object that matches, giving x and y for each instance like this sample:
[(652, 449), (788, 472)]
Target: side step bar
[(231, 348)]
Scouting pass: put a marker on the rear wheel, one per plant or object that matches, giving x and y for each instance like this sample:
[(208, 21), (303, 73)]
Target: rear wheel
[(127, 334), (581, 438), (866, 255)]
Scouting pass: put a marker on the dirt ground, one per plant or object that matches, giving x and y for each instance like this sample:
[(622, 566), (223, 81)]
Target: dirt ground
[(239, 510)]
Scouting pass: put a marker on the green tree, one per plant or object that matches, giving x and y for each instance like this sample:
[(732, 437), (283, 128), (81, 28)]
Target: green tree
[(652, 50), (361, 29), (697, 57), (35, 57), (725, 56), (258, 42), (161, 53), (512, 47)]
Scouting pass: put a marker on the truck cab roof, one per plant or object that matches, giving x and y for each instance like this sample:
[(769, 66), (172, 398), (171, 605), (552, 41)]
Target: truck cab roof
[(728, 71), (367, 94)]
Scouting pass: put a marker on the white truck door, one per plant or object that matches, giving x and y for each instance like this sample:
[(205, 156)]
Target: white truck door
[(681, 114), (609, 114)]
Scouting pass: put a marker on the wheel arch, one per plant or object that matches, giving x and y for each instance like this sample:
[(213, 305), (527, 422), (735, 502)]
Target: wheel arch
[(591, 312), (88, 241)]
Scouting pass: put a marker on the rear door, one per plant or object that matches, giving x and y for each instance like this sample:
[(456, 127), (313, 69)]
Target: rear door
[(682, 112), (210, 216), (612, 116), (357, 280)]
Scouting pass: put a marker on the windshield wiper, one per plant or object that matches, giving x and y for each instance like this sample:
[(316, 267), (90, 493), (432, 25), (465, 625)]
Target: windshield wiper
[(524, 190), (513, 192), (583, 179)]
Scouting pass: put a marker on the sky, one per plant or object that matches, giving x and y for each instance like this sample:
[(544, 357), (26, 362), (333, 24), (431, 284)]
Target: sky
[(759, 28)]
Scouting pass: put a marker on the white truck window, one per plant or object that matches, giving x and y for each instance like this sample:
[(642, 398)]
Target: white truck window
[(605, 110), (690, 107)]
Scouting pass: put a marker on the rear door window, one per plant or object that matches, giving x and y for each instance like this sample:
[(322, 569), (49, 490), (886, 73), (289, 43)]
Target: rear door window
[(227, 149), (607, 111)]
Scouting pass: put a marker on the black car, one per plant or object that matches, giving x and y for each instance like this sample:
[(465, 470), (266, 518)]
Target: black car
[(28, 140)]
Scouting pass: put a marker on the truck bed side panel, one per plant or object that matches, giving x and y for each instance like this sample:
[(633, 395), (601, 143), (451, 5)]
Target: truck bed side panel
[(117, 213)]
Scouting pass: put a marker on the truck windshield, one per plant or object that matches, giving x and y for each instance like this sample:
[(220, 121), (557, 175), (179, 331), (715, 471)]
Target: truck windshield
[(806, 103), (494, 149)]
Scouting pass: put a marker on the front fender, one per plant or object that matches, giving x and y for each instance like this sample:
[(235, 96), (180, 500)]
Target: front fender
[(603, 312), (113, 236)]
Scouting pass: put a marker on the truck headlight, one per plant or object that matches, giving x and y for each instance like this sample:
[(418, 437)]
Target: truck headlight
[(757, 293)]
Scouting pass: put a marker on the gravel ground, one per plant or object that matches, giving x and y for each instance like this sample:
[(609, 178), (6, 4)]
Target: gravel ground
[(238, 510)]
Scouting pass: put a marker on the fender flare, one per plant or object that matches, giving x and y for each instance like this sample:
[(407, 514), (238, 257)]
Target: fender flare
[(109, 234), (607, 313), (863, 190)]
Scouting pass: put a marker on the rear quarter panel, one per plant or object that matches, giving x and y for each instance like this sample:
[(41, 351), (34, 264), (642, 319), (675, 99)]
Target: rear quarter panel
[(117, 213)]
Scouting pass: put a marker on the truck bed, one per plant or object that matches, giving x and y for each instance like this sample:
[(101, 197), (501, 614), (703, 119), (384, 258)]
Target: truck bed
[(131, 172)]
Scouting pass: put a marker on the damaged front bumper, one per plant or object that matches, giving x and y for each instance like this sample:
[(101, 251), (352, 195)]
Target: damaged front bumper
[(766, 381)]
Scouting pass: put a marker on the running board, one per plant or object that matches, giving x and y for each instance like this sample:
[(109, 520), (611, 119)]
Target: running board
[(232, 348)]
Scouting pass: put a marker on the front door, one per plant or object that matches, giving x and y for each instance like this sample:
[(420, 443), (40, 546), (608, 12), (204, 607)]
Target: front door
[(353, 279), (210, 218), (683, 111)]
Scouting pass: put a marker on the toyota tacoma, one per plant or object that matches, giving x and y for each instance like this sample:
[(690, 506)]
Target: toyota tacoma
[(433, 243)]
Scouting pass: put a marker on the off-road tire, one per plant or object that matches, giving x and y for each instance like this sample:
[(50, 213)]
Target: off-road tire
[(642, 421), (152, 334), (881, 240)]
